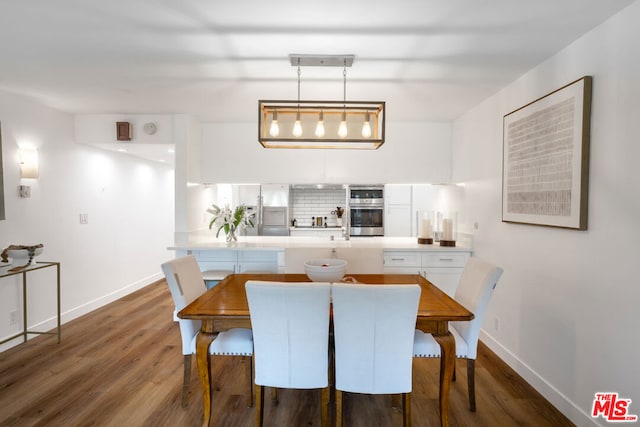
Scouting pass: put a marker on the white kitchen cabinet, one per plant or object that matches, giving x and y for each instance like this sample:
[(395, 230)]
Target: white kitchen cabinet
[(239, 261), (397, 194), (257, 261), (397, 221), (442, 268), (221, 260), (398, 217), (398, 262)]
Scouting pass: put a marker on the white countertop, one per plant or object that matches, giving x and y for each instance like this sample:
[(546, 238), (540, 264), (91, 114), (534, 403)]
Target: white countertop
[(209, 242)]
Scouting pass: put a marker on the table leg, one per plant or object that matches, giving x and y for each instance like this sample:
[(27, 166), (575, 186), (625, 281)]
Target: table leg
[(203, 341), (447, 363)]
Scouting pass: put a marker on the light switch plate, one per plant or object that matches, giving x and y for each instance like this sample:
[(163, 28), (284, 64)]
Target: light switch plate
[(25, 191)]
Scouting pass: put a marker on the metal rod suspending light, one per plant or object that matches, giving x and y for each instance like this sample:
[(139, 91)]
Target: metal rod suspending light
[(342, 129), (297, 126)]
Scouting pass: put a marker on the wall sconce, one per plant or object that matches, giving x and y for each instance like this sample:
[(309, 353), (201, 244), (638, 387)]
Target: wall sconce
[(321, 124), (28, 163)]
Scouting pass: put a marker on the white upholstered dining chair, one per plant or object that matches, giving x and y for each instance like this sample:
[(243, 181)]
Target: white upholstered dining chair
[(290, 323), (186, 284), (374, 330), (474, 291)]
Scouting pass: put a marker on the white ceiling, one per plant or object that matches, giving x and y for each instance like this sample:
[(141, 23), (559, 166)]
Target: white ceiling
[(429, 59)]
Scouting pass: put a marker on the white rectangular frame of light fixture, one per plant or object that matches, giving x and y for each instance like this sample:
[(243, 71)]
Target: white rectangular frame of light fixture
[(309, 113)]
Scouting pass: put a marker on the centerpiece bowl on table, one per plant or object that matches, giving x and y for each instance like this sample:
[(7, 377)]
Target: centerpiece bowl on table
[(325, 269)]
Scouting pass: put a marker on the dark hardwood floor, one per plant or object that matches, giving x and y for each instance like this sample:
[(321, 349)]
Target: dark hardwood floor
[(121, 366)]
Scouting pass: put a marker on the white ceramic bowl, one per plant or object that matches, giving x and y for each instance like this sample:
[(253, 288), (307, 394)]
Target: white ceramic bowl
[(21, 256), (325, 269)]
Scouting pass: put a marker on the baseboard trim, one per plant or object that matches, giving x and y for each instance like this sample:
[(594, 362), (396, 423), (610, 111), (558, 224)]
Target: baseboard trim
[(570, 410), (74, 313)]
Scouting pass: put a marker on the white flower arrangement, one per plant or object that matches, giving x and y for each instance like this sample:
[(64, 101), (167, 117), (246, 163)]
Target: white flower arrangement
[(231, 221)]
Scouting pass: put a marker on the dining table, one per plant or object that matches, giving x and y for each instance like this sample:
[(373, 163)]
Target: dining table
[(225, 306)]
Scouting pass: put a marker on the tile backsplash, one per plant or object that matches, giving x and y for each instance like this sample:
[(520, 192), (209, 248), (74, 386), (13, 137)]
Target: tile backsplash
[(312, 202)]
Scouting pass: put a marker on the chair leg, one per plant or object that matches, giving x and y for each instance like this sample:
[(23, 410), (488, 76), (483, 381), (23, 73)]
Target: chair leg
[(339, 408), (259, 405), (471, 383), (274, 395), (248, 372), (324, 409), (396, 402), (186, 380), (406, 409)]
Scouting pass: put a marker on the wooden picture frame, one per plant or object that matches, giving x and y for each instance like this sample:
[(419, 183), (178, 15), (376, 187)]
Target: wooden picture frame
[(2, 211), (123, 131), (545, 169)]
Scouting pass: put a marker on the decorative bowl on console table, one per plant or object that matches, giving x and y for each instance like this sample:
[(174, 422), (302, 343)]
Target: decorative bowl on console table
[(21, 255)]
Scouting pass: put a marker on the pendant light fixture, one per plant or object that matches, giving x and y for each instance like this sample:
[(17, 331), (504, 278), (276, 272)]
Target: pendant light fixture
[(321, 124)]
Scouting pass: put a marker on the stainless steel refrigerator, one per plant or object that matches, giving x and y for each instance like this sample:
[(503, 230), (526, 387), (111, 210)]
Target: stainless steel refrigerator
[(273, 210)]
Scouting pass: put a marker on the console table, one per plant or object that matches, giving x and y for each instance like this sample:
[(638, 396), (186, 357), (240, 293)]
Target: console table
[(4, 272)]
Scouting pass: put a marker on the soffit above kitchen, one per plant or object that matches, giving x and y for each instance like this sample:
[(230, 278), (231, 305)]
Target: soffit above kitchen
[(429, 60)]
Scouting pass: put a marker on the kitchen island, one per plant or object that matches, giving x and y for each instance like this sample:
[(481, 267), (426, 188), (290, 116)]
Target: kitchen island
[(365, 255)]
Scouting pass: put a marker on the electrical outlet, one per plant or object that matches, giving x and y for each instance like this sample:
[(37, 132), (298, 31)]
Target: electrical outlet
[(13, 318), (496, 324), (84, 218)]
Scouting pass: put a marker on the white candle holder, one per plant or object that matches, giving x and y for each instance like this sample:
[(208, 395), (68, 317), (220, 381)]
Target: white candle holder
[(426, 223), (448, 228)]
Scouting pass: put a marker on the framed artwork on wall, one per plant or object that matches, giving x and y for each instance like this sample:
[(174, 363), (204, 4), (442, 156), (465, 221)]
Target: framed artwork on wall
[(545, 168), (2, 214)]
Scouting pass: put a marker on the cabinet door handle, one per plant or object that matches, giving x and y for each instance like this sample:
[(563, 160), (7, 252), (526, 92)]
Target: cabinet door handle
[(397, 259), (446, 259)]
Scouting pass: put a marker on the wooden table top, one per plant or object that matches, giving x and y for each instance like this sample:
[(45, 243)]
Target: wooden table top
[(229, 299)]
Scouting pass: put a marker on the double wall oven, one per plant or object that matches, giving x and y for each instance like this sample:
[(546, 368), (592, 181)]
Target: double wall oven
[(366, 210)]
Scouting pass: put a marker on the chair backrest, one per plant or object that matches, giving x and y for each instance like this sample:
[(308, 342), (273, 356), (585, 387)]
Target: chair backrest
[(186, 284), (373, 328), (476, 285), (290, 323)]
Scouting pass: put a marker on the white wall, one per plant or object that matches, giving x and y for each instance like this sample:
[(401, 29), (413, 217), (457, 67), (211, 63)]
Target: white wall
[(413, 152), (568, 300), (129, 203)]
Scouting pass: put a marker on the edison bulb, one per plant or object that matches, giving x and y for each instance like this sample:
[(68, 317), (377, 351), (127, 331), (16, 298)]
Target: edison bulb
[(342, 130), (320, 126), (274, 130), (366, 127), (297, 126)]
